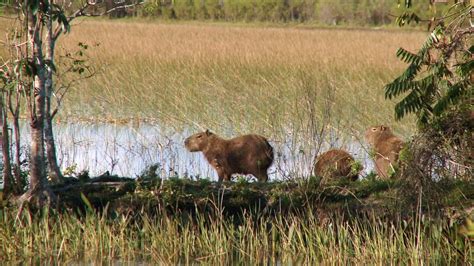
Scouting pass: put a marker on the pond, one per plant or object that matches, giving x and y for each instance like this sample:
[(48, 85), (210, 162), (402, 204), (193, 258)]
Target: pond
[(128, 149)]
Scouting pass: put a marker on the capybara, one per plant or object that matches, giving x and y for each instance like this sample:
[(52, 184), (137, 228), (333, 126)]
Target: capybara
[(386, 147), (336, 163), (247, 154)]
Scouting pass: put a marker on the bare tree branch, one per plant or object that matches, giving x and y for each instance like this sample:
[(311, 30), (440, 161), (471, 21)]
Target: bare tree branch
[(81, 12), (113, 9)]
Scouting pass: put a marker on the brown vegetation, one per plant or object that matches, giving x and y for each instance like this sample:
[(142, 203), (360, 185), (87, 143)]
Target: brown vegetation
[(247, 154)]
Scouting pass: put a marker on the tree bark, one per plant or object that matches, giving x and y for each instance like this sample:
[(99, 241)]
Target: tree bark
[(15, 111), (54, 170), (7, 169), (20, 183), (39, 192)]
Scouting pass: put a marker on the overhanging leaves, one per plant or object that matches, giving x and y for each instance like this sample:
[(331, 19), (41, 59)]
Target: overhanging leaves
[(436, 78)]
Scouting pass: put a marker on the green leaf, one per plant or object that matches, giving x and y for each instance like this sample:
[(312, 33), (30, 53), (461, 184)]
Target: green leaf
[(87, 202), (465, 69), (453, 95), (62, 20), (408, 57), (471, 49), (410, 104), (33, 6), (25, 66), (44, 6), (394, 89), (10, 85)]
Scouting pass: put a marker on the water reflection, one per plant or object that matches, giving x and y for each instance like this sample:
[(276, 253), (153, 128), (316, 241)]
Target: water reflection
[(126, 150)]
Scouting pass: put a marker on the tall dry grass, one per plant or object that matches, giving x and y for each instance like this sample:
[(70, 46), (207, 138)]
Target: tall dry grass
[(170, 239), (237, 78), (276, 81)]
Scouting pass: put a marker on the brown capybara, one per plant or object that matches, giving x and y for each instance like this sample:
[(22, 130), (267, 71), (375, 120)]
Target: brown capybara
[(386, 147), (335, 163), (247, 154)]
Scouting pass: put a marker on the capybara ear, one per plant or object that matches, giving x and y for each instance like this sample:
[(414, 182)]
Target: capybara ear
[(208, 132), (383, 128)]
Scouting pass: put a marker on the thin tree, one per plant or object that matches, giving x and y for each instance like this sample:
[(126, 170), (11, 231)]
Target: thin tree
[(34, 15), (8, 184), (44, 21)]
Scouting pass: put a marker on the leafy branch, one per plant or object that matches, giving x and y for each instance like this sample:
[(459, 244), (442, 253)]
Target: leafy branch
[(439, 74)]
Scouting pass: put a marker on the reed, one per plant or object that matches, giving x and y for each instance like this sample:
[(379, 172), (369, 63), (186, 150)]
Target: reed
[(209, 238), (236, 78), (232, 78)]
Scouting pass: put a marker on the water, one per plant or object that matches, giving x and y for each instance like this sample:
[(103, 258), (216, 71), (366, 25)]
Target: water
[(128, 149)]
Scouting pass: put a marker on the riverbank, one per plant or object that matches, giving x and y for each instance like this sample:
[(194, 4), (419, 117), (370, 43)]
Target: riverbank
[(146, 220)]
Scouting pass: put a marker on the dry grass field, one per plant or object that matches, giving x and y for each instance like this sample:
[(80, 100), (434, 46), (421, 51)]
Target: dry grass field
[(237, 78)]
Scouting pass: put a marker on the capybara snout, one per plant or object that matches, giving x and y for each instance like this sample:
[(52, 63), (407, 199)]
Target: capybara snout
[(197, 142), (247, 154)]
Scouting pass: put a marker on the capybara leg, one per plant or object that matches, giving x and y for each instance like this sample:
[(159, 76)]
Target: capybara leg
[(227, 177), (381, 167), (262, 177), (221, 175)]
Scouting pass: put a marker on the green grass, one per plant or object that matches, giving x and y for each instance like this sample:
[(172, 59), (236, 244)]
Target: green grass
[(186, 222), (167, 239)]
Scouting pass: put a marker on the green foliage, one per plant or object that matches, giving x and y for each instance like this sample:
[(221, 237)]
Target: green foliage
[(70, 170), (305, 238), (59, 16), (405, 154), (134, 228), (87, 202), (356, 168), (438, 76)]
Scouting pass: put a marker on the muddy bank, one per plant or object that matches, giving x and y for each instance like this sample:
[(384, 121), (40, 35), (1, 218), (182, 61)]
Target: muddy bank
[(382, 198)]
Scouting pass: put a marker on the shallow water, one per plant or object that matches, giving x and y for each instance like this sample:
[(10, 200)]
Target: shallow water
[(128, 149)]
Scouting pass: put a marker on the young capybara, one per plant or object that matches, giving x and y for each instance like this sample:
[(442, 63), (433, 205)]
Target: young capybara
[(335, 163), (247, 154), (386, 147)]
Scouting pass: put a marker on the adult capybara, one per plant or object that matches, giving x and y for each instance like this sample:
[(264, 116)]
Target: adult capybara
[(386, 147), (336, 163), (247, 154)]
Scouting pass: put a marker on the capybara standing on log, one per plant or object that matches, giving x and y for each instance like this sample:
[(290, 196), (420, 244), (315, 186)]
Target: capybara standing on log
[(247, 154), (336, 163), (386, 147)]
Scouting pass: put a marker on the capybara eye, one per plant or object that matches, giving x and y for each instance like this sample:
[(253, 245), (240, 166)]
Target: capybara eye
[(374, 129), (198, 136)]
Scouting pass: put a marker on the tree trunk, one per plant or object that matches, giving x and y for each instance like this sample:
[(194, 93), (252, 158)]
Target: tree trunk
[(7, 169), (54, 171), (20, 183), (39, 192), (15, 111)]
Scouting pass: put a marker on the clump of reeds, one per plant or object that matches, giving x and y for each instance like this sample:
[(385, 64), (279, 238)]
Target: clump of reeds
[(238, 78), (166, 238)]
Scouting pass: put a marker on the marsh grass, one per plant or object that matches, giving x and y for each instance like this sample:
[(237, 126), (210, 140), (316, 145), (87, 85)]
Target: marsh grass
[(307, 90), (237, 79), (213, 239)]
